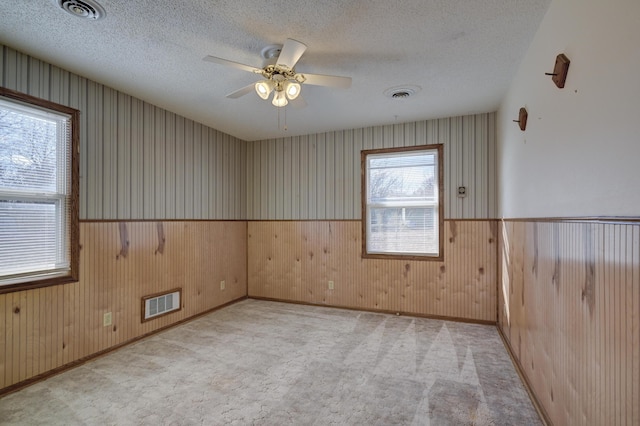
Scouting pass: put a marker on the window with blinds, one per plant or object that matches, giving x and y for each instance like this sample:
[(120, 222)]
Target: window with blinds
[(36, 191), (402, 202)]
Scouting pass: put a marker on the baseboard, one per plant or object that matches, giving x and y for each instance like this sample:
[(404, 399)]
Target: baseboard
[(525, 381), (43, 376), (378, 311)]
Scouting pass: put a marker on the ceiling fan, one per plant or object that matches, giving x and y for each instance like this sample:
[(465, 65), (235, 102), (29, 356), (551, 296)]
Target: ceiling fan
[(280, 77)]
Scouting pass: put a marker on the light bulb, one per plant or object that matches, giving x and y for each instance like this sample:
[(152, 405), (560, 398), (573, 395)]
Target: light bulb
[(279, 99), (292, 89), (264, 88)]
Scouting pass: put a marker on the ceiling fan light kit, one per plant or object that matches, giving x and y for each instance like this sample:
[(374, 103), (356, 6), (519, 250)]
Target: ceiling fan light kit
[(280, 77), (264, 88)]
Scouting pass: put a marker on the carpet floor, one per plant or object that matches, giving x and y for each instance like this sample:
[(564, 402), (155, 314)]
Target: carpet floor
[(268, 363)]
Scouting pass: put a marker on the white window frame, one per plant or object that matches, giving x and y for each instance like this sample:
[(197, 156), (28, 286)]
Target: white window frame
[(65, 199), (437, 202)]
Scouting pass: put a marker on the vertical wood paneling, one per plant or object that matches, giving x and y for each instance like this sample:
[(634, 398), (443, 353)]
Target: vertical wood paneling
[(330, 179), (133, 162), (46, 328), (570, 309), (294, 261)]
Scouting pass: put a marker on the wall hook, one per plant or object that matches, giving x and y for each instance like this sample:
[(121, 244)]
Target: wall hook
[(559, 74), (522, 119)]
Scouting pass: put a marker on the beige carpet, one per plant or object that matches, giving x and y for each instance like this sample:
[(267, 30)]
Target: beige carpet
[(268, 363)]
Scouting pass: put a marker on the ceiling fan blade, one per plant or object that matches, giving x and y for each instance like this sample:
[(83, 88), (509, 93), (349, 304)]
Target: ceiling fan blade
[(327, 80), (242, 92), (232, 64), (291, 52)]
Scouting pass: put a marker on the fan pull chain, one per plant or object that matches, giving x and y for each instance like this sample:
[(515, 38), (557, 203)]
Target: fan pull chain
[(285, 128)]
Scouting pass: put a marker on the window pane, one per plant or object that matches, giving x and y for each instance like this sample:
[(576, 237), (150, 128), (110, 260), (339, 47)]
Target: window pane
[(28, 237), (403, 230), (408, 177), (402, 201), (36, 191), (27, 152)]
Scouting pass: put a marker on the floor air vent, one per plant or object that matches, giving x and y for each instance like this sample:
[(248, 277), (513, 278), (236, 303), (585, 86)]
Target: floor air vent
[(160, 304)]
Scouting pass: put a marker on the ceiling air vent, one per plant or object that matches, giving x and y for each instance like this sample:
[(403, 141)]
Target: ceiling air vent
[(401, 92), (86, 9)]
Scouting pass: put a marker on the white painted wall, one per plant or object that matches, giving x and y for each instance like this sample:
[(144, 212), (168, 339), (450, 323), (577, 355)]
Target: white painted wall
[(580, 154)]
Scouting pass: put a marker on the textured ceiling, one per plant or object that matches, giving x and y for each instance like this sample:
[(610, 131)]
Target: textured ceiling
[(462, 53)]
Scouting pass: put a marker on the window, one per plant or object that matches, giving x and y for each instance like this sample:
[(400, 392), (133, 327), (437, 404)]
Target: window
[(39, 236), (402, 212)]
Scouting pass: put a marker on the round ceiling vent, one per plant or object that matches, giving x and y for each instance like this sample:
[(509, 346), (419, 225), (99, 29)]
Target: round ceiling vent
[(401, 92), (86, 9)]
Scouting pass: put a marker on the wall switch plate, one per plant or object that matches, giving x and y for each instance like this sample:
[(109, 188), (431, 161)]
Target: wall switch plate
[(330, 285), (222, 285), (106, 319)]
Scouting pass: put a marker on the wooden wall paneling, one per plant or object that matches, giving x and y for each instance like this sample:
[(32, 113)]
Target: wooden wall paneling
[(463, 286), (576, 331), (5, 336)]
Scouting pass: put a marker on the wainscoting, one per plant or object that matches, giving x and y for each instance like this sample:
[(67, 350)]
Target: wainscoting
[(569, 303), (295, 260), (44, 329)]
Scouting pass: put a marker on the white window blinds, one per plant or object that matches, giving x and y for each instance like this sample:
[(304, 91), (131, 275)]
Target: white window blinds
[(35, 192), (402, 203)]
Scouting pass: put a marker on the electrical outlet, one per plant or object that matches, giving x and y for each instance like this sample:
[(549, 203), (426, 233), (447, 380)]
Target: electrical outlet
[(222, 285), (331, 285), (106, 319)]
